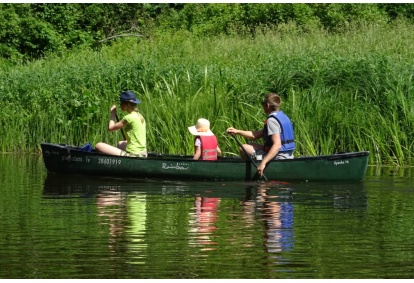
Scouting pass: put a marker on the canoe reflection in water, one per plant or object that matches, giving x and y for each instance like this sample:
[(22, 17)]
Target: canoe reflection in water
[(203, 222)]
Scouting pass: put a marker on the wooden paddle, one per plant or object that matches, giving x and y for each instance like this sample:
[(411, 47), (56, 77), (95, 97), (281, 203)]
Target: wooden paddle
[(122, 130), (245, 152)]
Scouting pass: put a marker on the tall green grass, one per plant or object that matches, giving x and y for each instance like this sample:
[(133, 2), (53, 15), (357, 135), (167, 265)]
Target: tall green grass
[(344, 92)]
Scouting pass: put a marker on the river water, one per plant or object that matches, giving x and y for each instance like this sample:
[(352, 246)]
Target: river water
[(82, 227)]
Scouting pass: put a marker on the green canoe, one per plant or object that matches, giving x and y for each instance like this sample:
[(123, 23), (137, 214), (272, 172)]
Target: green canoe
[(67, 159)]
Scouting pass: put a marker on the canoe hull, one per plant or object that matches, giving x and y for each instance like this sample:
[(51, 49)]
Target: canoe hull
[(66, 159)]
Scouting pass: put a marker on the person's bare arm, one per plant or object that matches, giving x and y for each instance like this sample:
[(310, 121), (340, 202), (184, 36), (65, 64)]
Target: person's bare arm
[(197, 152), (253, 135), (218, 151), (113, 126), (274, 150)]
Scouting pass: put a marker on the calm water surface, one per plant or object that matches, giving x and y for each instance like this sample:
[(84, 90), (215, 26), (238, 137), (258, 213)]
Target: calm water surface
[(76, 227)]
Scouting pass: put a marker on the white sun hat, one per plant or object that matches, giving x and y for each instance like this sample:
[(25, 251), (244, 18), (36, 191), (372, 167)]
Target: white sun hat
[(202, 128)]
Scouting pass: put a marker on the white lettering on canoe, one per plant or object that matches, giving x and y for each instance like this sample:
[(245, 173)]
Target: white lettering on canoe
[(342, 162), (72, 159), (177, 166)]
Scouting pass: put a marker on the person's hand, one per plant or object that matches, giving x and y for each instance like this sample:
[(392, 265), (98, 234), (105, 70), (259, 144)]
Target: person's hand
[(113, 109), (232, 131), (260, 168)]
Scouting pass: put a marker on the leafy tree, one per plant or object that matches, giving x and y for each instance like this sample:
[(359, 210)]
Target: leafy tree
[(30, 30)]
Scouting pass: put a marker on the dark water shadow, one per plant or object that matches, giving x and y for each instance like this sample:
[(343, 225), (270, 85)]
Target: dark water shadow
[(339, 194)]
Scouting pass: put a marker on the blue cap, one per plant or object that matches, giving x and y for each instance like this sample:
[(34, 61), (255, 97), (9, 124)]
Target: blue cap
[(129, 96)]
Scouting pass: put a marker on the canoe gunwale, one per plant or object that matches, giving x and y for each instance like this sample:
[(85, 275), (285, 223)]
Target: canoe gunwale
[(187, 158)]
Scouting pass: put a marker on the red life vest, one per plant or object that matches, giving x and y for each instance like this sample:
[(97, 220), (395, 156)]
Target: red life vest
[(208, 147)]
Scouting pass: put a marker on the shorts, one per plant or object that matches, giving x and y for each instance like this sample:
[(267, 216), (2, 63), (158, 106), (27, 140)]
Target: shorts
[(260, 153), (143, 154)]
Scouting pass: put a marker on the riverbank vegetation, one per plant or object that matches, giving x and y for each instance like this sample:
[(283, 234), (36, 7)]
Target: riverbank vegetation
[(344, 91)]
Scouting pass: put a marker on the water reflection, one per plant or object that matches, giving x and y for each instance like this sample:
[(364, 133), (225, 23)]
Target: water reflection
[(153, 225), (278, 218), (136, 231), (112, 209), (276, 213), (121, 211), (202, 222), (339, 230)]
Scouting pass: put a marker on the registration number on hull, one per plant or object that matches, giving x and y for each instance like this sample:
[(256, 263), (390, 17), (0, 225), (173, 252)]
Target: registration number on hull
[(109, 161)]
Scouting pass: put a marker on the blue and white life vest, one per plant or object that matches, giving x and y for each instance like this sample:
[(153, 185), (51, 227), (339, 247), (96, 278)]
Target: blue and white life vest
[(286, 136)]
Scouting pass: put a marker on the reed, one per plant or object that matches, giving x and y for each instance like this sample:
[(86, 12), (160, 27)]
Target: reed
[(344, 92)]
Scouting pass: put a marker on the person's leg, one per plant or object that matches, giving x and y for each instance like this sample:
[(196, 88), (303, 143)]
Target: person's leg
[(250, 149), (107, 149)]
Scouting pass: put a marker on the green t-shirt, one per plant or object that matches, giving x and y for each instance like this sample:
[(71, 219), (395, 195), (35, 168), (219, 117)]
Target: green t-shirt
[(136, 133)]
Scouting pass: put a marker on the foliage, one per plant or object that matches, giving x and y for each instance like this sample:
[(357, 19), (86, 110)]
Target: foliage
[(344, 92), (32, 30), (345, 82)]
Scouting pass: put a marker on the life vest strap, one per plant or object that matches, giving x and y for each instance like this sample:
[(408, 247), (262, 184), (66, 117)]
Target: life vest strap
[(288, 141)]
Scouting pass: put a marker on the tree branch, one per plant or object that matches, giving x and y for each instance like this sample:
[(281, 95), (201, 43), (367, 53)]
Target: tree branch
[(120, 35)]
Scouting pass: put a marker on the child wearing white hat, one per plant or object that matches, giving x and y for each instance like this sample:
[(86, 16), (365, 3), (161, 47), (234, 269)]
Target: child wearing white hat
[(205, 142)]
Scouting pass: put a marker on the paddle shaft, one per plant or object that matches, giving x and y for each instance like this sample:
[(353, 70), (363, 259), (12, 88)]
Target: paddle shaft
[(122, 130), (245, 152)]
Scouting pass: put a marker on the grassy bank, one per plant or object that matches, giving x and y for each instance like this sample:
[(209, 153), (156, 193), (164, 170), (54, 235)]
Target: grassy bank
[(344, 92)]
